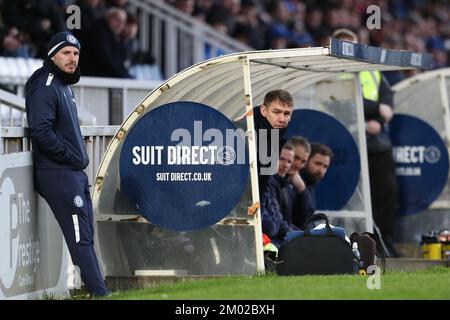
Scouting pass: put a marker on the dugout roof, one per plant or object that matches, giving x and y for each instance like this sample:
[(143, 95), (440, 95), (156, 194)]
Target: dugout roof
[(234, 84)]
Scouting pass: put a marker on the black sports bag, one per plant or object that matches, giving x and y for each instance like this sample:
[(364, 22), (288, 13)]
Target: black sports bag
[(317, 252)]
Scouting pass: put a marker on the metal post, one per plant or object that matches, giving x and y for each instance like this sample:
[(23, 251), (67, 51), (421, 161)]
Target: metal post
[(363, 154), (257, 220), (170, 49)]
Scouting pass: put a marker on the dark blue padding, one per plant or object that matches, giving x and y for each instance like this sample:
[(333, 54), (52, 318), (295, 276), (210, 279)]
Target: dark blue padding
[(340, 182), (418, 191), (180, 205)]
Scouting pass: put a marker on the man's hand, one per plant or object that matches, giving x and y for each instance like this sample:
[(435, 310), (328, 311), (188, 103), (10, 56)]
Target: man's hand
[(373, 127), (386, 112), (297, 182)]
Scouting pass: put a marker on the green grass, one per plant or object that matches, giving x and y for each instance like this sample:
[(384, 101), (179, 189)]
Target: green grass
[(433, 283)]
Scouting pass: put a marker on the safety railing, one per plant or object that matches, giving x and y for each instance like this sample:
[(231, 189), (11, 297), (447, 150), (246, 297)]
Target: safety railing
[(13, 114), (101, 101), (97, 138), (12, 109)]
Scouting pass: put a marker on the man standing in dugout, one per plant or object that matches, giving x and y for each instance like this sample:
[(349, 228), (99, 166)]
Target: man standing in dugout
[(59, 154)]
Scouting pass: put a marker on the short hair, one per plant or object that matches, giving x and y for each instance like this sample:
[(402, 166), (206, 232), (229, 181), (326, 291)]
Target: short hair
[(288, 146), (278, 95), (300, 141), (115, 12), (342, 32), (132, 19), (320, 149)]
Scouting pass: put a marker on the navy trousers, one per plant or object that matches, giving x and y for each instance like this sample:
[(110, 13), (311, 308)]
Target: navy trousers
[(67, 193)]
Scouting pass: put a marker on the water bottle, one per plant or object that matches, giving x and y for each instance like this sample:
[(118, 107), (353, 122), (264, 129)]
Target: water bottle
[(357, 257)]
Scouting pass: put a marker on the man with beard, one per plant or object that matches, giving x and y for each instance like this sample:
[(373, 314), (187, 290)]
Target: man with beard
[(314, 171), (59, 154)]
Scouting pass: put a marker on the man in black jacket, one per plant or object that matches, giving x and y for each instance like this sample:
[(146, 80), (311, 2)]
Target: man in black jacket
[(271, 120), (271, 117), (59, 155)]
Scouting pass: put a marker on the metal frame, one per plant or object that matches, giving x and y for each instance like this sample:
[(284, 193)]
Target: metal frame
[(251, 134), (367, 213), (326, 61)]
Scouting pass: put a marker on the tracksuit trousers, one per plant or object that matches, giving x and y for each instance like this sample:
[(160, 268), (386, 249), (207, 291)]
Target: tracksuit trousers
[(67, 193)]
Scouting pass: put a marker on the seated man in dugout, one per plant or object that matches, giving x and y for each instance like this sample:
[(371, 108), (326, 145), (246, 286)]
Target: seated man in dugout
[(271, 119), (313, 172), (291, 193), (273, 223)]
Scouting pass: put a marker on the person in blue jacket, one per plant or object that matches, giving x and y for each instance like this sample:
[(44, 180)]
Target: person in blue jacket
[(59, 154), (317, 166), (274, 224)]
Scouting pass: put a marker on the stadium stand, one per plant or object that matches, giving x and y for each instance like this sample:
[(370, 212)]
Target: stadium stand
[(167, 42), (409, 25)]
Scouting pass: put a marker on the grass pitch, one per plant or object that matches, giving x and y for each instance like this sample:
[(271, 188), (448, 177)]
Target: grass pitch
[(433, 283)]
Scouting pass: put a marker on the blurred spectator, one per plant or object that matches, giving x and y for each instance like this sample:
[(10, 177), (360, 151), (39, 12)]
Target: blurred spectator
[(273, 24), (435, 46), (278, 36), (245, 33), (12, 44), (104, 48), (314, 22), (39, 19), (116, 4), (186, 6), (249, 26), (128, 37), (218, 17), (222, 15), (201, 7), (90, 12)]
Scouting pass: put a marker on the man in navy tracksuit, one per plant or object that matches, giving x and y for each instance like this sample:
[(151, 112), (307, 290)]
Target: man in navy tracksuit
[(59, 154)]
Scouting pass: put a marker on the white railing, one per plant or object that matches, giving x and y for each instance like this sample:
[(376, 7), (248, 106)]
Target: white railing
[(177, 40), (12, 111), (111, 100), (100, 101), (17, 70), (97, 138)]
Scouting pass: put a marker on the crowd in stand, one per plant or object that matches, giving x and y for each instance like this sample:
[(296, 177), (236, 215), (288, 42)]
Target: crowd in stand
[(107, 32), (414, 25)]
